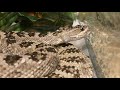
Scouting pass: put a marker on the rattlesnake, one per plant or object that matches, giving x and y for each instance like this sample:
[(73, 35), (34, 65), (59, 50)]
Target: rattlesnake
[(33, 55)]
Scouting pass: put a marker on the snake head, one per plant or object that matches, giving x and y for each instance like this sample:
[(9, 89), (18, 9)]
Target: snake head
[(76, 33)]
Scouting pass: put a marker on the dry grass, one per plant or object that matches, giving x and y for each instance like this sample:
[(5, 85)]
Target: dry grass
[(105, 40), (106, 44)]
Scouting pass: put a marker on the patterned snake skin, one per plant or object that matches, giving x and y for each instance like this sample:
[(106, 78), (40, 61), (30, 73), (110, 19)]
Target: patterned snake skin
[(34, 55)]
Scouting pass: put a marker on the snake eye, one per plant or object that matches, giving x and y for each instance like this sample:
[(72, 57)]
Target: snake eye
[(78, 26), (82, 29)]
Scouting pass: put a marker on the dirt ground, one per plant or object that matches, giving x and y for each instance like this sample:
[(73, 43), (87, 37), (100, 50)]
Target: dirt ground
[(106, 45)]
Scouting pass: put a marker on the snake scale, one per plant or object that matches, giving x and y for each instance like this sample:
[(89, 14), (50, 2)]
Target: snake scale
[(34, 55)]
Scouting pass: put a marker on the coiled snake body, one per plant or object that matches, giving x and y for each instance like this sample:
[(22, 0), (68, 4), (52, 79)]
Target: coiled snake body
[(33, 55)]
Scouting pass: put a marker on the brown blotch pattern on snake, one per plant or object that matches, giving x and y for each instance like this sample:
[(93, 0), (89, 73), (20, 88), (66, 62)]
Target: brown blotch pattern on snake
[(11, 59), (51, 49), (40, 45), (21, 34), (31, 34), (10, 38), (26, 44), (70, 50), (35, 56)]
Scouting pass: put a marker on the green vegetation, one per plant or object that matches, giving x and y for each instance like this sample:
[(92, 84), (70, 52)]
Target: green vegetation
[(48, 21), (19, 21)]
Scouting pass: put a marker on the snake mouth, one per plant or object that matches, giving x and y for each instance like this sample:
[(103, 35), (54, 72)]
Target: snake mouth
[(77, 36)]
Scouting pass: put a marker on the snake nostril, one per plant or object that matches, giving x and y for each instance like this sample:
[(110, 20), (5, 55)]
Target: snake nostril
[(82, 29)]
